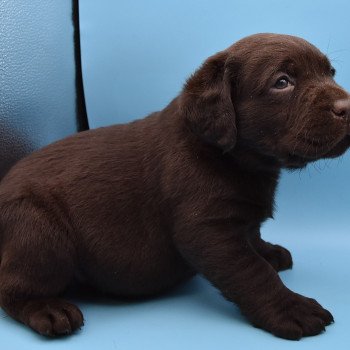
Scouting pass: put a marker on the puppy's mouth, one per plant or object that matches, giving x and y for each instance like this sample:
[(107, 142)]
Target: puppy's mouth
[(313, 150)]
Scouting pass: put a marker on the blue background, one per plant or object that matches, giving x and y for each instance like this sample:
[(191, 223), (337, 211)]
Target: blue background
[(136, 56)]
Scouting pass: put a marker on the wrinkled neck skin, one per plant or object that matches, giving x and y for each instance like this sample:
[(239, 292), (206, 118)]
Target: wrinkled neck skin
[(260, 175), (251, 160), (254, 178)]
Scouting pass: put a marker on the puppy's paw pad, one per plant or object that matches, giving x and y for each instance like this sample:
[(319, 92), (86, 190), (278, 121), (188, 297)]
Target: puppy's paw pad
[(53, 317)]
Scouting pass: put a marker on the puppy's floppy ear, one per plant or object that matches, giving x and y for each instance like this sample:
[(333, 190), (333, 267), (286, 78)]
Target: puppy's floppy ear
[(206, 103)]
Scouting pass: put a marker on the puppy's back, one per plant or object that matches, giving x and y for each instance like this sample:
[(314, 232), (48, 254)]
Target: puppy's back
[(107, 152)]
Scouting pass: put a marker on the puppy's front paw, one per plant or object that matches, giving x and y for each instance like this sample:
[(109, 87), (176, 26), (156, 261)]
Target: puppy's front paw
[(52, 317), (292, 316), (279, 257)]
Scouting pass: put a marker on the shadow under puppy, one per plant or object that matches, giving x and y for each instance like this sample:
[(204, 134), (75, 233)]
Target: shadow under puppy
[(135, 209)]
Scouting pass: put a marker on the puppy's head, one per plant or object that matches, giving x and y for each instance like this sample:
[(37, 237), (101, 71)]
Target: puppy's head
[(274, 95)]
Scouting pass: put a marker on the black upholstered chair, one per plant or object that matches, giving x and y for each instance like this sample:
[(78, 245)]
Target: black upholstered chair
[(41, 97)]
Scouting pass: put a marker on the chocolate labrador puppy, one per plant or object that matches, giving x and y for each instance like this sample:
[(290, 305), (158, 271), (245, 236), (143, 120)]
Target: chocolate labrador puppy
[(135, 209)]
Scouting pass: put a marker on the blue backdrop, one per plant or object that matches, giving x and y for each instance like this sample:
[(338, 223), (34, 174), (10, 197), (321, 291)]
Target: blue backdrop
[(136, 56)]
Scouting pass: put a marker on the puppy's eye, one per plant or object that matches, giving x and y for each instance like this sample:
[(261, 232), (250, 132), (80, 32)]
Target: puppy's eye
[(333, 71), (282, 83)]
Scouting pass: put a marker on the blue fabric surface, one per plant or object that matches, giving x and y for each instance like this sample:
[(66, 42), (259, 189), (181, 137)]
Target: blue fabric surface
[(136, 56)]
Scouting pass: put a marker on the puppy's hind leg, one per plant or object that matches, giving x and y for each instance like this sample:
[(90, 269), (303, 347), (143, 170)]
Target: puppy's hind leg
[(37, 264)]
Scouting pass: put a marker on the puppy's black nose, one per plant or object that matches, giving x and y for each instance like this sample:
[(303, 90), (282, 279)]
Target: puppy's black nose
[(341, 108)]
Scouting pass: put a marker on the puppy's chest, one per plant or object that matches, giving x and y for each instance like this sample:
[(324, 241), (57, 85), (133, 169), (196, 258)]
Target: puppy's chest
[(252, 198)]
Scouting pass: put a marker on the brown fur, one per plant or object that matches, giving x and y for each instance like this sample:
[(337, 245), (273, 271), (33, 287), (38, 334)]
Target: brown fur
[(135, 209)]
